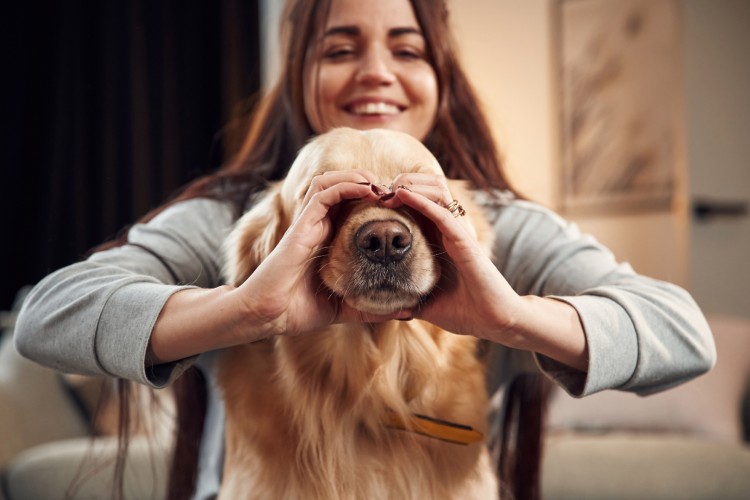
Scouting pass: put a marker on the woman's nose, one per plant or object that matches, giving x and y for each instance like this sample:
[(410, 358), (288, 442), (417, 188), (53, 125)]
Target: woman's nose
[(374, 69)]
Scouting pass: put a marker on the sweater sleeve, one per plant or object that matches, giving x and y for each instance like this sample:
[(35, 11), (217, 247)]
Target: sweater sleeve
[(95, 317), (643, 335)]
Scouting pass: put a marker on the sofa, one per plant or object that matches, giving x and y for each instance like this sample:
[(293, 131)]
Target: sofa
[(50, 447), (691, 442)]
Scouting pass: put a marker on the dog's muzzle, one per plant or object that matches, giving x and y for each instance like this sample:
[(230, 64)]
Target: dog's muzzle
[(379, 261)]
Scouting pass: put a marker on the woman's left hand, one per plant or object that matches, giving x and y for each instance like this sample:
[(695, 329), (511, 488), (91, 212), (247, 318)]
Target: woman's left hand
[(480, 301)]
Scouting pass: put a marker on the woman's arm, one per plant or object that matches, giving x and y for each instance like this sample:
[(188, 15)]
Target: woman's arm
[(96, 316), (593, 323), (143, 310), (643, 335), (281, 297)]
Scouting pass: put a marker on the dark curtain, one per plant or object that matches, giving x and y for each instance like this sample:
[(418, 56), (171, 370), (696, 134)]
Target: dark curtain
[(112, 106)]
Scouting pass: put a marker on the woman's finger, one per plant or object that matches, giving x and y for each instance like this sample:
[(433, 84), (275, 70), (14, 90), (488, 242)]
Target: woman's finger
[(433, 187), (321, 202), (450, 227), (312, 227), (328, 179)]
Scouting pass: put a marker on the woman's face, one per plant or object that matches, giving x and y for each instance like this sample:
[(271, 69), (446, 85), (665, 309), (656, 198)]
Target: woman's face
[(370, 70)]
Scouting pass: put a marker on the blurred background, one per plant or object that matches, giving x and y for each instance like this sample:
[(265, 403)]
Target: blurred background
[(512, 50), (112, 105)]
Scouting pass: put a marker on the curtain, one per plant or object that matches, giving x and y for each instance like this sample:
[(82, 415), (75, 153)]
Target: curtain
[(113, 105)]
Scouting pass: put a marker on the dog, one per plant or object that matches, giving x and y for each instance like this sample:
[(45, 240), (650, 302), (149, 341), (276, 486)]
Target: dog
[(395, 409)]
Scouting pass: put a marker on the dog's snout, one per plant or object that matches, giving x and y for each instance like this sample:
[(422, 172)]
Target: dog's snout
[(384, 241)]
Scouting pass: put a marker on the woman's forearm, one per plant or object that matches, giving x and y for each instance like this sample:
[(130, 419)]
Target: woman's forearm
[(198, 320)]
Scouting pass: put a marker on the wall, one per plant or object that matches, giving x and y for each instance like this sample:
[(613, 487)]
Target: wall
[(508, 50), (718, 110), (505, 48), (270, 14)]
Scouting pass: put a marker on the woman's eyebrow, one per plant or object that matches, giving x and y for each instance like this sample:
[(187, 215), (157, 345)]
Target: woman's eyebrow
[(342, 30), (395, 32), (355, 31)]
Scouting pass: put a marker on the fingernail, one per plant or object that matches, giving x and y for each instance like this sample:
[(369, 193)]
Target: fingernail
[(387, 196), (401, 186), (376, 190), (363, 183)]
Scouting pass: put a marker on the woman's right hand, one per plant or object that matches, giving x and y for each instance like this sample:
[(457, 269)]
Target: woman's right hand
[(282, 296), (284, 292)]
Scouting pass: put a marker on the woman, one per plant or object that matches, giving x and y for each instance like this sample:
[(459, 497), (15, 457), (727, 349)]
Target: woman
[(144, 310)]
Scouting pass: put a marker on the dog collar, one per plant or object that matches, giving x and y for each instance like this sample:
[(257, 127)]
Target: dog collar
[(434, 428)]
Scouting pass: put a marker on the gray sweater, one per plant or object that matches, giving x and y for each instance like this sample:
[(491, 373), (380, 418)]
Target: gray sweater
[(96, 316)]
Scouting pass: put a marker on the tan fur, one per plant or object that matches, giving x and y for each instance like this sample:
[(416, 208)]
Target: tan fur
[(304, 414)]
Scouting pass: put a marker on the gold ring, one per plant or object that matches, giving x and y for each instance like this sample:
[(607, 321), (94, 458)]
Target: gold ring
[(456, 209)]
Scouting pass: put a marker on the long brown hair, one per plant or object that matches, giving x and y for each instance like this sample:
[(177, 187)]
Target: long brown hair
[(460, 139)]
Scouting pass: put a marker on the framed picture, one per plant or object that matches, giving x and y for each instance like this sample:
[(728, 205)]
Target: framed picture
[(620, 82)]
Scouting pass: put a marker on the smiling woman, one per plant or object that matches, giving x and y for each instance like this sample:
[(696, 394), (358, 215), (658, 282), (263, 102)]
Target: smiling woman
[(552, 303), (366, 74)]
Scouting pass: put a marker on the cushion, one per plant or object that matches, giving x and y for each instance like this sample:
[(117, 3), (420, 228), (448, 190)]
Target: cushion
[(709, 406), (35, 406), (623, 466), (84, 468)]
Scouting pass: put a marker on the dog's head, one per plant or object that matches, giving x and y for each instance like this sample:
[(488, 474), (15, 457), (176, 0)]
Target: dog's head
[(379, 260)]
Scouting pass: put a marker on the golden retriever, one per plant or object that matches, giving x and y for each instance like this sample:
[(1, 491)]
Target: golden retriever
[(363, 410)]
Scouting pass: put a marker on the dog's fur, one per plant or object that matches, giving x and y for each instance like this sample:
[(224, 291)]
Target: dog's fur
[(304, 415)]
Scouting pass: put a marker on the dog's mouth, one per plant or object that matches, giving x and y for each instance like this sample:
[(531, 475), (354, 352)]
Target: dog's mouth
[(380, 261)]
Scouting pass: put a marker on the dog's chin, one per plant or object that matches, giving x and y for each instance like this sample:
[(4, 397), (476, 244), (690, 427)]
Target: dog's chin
[(381, 303)]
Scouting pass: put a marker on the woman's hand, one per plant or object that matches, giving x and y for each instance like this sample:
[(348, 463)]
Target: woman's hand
[(480, 301), (285, 293)]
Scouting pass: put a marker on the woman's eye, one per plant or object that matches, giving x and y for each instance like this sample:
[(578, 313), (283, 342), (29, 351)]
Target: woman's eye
[(408, 54), (338, 53)]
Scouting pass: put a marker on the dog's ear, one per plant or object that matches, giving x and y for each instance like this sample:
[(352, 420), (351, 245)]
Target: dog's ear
[(254, 237)]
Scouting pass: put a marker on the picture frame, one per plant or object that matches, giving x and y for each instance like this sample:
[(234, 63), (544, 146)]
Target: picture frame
[(620, 94)]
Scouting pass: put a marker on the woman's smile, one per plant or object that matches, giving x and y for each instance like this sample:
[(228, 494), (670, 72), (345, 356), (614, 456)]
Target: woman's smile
[(371, 69)]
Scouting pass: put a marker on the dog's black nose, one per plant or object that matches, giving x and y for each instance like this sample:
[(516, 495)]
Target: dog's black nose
[(383, 241)]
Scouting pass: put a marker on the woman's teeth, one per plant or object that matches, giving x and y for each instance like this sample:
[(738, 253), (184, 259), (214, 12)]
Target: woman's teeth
[(375, 108)]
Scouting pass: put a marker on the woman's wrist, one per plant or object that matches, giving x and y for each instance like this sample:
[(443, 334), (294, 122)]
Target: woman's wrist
[(549, 327)]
